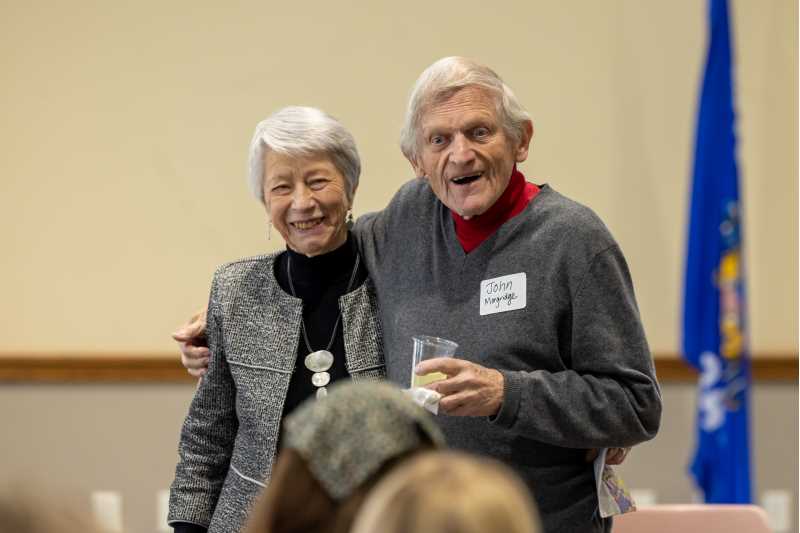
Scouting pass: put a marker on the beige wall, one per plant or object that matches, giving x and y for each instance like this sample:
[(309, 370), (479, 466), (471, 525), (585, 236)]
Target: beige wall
[(125, 125), (124, 128)]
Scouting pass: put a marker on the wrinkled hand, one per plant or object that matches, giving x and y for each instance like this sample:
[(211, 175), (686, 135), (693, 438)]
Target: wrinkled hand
[(614, 456), (469, 390), (192, 341)]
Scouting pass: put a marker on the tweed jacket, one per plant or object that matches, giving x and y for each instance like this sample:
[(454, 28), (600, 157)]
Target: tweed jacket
[(229, 438)]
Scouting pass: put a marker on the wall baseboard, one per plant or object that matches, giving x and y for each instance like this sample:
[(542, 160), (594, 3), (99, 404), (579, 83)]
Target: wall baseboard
[(166, 368)]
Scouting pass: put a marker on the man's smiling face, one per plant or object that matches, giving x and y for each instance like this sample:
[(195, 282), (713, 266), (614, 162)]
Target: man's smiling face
[(465, 153)]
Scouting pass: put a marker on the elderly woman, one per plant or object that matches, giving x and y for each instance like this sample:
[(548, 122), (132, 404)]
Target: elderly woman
[(553, 359), (282, 326)]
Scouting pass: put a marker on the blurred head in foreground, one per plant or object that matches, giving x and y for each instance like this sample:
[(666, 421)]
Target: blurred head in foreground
[(449, 492), (334, 450), (30, 509)]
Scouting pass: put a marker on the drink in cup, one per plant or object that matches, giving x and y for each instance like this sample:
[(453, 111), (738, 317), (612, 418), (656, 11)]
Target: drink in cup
[(429, 348)]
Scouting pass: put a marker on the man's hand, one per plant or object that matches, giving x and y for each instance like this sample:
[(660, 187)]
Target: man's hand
[(614, 456), (192, 341), (469, 390)]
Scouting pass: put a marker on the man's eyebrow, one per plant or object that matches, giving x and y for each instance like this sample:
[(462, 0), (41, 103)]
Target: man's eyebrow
[(474, 122), (435, 130)]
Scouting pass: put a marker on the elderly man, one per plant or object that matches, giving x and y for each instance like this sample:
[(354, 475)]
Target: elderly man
[(553, 359)]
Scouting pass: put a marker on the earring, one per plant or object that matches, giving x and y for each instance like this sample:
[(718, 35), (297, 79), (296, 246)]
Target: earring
[(349, 220)]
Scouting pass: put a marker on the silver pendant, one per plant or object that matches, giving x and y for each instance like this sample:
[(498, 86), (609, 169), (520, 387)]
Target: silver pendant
[(320, 379), (319, 361), (321, 392)]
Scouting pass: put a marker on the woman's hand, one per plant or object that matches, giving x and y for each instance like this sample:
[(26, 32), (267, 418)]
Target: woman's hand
[(192, 342)]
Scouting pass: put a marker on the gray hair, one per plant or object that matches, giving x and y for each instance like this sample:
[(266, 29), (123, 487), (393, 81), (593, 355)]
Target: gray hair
[(449, 75), (357, 429), (302, 132)]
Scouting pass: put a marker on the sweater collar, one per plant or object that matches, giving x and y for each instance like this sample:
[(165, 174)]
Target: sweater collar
[(471, 233)]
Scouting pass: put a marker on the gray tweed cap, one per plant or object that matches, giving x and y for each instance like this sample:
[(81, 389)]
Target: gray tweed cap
[(348, 435)]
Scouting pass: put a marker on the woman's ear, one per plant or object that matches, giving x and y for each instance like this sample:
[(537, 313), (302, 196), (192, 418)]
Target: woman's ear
[(265, 196)]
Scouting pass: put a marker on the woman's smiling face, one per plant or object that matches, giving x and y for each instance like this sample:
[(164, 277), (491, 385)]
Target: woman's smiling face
[(307, 202)]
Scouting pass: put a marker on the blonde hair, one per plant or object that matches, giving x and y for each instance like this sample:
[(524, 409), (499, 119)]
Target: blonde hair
[(449, 492)]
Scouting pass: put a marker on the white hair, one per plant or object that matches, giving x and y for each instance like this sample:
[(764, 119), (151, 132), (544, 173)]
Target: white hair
[(302, 132), (443, 79)]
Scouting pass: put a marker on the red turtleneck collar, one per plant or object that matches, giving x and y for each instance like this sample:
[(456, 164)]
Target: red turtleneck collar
[(471, 233)]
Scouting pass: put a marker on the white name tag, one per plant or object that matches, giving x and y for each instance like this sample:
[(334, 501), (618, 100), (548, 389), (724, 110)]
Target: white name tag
[(505, 293)]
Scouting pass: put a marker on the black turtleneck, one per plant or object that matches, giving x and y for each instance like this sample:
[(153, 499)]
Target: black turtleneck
[(319, 281)]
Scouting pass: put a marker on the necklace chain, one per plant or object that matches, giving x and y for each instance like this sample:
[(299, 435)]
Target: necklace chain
[(338, 317)]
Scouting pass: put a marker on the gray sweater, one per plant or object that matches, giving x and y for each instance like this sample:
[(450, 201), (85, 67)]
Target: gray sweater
[(577, 368)]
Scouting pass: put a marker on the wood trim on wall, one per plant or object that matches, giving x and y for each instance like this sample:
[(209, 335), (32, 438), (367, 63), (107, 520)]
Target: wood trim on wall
[(772, 367), (132, 368), (112, 368)]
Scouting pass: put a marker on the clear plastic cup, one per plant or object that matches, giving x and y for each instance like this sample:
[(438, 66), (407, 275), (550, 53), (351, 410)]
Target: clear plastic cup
[(429, 348)]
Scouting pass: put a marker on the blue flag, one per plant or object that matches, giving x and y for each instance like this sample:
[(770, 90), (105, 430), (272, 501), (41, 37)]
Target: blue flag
[(714, 339)]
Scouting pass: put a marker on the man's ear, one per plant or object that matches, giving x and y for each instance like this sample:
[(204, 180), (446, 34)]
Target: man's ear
[(521, 152), (418, 170)]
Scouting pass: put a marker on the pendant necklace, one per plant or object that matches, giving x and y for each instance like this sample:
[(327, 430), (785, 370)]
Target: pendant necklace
[(320, 361)]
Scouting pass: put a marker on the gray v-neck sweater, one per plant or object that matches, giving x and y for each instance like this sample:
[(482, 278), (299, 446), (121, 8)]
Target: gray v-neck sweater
[(577, 368)]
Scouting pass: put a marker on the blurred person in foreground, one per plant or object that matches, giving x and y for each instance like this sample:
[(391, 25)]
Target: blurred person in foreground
[(29, 509), (449, 492), (281, 326), (553, 358), (334, 451)]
